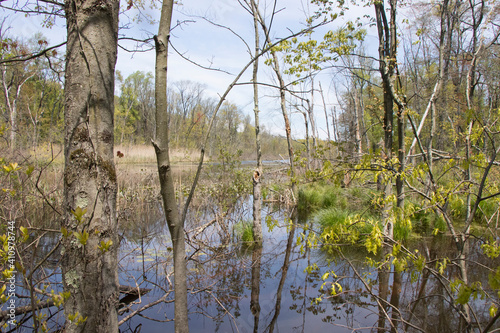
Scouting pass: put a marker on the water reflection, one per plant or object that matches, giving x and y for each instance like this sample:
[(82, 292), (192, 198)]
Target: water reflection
[(255, 293), (278, 287), (258, 289)]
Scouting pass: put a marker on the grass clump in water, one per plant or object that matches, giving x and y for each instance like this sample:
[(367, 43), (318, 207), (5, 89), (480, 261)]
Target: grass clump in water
[(314, 197), (243, 231)]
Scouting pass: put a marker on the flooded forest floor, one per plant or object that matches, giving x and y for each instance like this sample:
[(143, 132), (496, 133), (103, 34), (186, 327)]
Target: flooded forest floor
[(299, 280)]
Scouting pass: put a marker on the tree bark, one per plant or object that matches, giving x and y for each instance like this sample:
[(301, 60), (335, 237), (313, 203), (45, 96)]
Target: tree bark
[(90, 274), (387, 54), (161, 145), (257, 174), (357, 127), (386, 71), (255, 292), (326, 113)]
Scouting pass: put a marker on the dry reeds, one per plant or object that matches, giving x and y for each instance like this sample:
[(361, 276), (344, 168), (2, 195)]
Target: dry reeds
[(131, 154)]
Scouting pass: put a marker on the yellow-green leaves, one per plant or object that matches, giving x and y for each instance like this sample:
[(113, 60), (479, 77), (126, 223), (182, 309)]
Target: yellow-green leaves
[(309, 55), (419, 262), (465, 292), (82, 237), (30, 170), (64, 232), (400, 264), (374, 241), (8, 273), (493, 310), (24, 234), (441, 265), (12, 167), (78, 213), (3, 297), (494, 279), (311, 268), (104, 246), (59, 298), (76, 318), (336, 289)]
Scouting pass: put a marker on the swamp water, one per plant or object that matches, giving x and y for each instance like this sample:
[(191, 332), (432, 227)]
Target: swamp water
[(279, 287), (276, 288), (224, 281)]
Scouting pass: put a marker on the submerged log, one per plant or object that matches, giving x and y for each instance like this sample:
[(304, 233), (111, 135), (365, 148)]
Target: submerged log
[(131, 294)]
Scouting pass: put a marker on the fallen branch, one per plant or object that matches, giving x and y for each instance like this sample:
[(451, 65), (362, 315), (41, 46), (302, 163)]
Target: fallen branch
[(132, 293)]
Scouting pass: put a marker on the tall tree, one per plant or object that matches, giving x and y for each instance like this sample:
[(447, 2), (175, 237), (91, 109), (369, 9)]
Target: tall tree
[(284, 111), (89, 261), (387, 34), (161, 143)]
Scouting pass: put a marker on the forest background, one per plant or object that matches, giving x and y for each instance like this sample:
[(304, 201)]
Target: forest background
[(410, 107)]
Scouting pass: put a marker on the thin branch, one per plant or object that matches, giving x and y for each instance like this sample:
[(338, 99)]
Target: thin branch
[(31, 56), (195, 63)]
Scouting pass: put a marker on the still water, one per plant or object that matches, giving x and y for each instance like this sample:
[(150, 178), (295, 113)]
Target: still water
[(221, 282), (279, 287), (276, 288)]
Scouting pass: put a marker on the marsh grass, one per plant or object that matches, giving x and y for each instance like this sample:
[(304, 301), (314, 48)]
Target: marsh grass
[(316, 196), (354, 211), (145, 154), (343, 220), (243, 231)]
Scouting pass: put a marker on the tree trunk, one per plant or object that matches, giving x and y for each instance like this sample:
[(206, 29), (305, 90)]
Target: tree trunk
[(386, 68), (308, 150), (288, 129), (161, 144), (386, 71), (326, 113), (357, 127), (254, 297), (89, 266), (312, 120), (257, 175), (284, 272), (284, 111)]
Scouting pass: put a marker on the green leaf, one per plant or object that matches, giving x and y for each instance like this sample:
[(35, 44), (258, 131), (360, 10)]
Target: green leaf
[(64, 232), (25, 234), (104, 246), (82, 237), (493, 310), (78, 213), (464, 294), (30, 170)]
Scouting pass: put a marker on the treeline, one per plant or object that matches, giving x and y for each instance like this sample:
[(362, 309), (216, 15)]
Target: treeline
[(32, 109), (191, 113), (31, 103)]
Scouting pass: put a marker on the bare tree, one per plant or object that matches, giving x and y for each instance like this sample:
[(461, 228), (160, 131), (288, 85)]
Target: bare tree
[(257, 175), (161, 144)]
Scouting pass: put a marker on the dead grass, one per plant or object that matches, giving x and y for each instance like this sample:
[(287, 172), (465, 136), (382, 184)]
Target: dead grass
[(145, 154), (45, 154), (132, 154)]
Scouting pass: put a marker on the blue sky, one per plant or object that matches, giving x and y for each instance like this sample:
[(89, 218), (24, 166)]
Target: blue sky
[(212, 46)]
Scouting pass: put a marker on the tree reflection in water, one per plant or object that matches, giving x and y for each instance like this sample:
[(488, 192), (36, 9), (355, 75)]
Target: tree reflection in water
[(276, 287)]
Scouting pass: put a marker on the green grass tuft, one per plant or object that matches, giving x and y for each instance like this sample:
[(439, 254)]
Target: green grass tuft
[(243, 231)]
